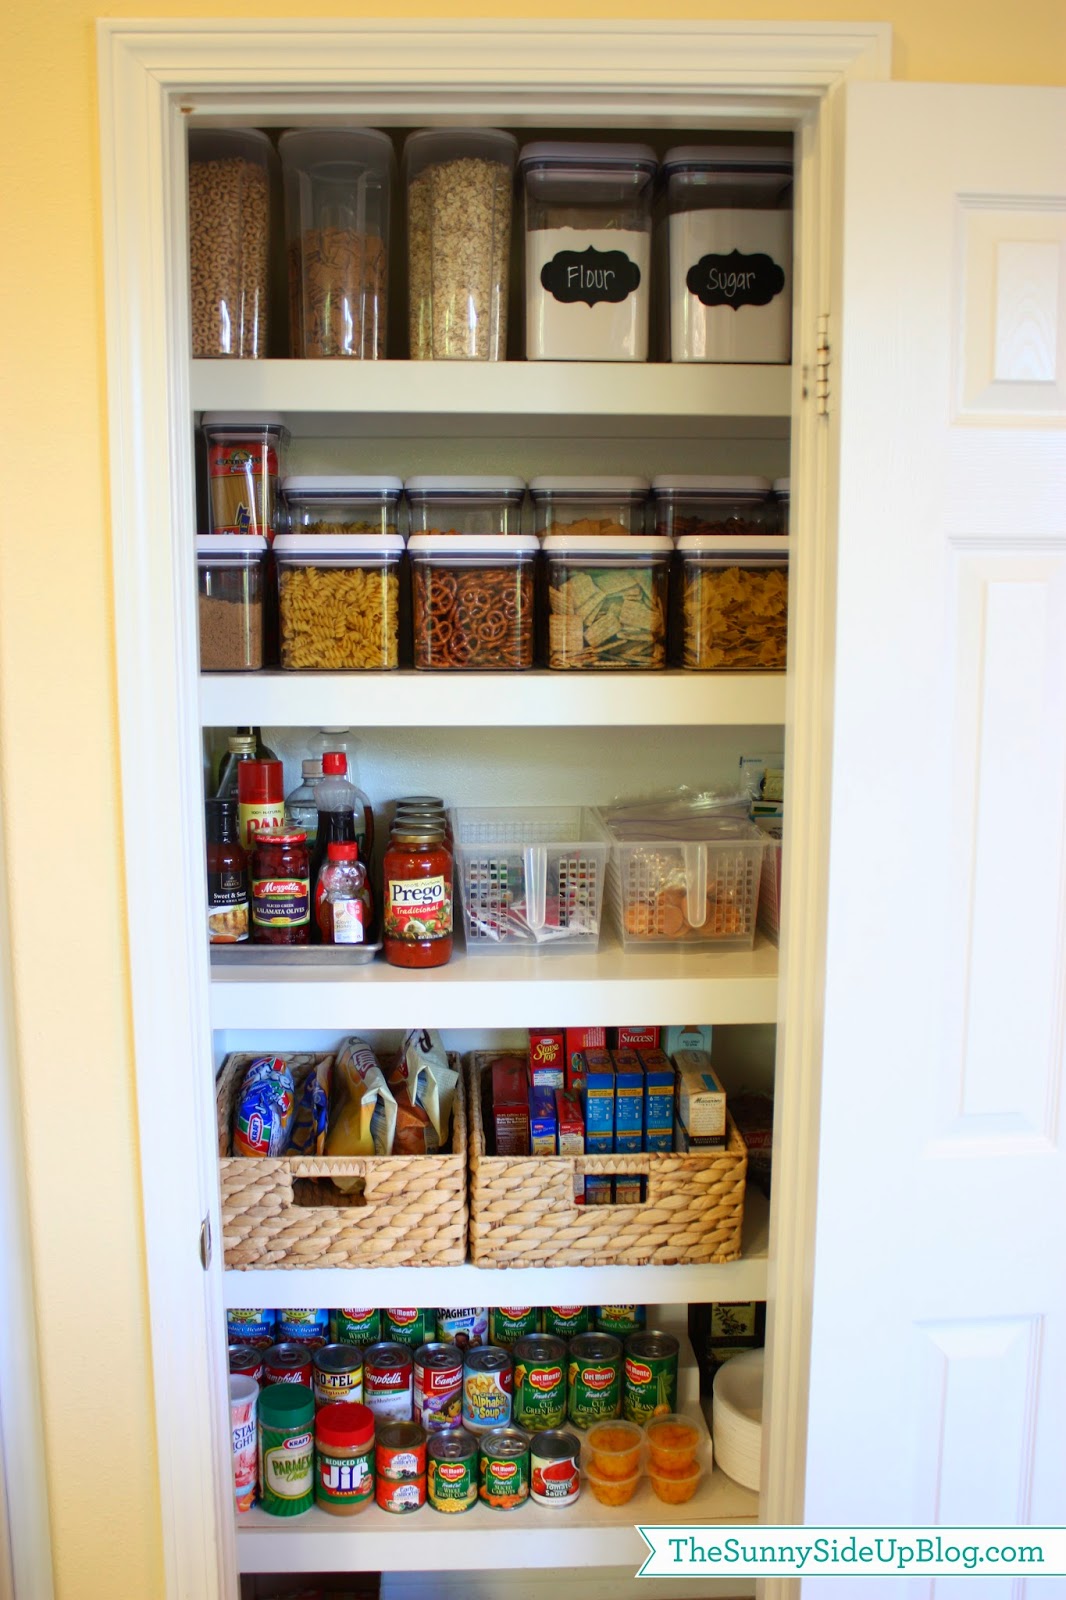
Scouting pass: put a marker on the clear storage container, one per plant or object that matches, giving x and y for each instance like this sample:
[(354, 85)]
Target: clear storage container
[(243, 463), (232, 601), (587, 250), (734, 602), (339, 601), (459, 184), (686, 504), (229, 240), (609, 507), (342, 504), (530, 877), (729, 224), (473, 601), (337, 189), (445, 504), (782, 502), (607, 601), (698, 886)]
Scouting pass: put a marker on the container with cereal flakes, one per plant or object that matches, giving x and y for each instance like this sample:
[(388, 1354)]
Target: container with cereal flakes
[(339, 601), (734, 602), (607, 601), (609, 507), (449, 504), (472, 600)]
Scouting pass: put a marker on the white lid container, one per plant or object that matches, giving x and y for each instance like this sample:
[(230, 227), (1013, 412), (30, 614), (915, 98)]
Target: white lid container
[(497, 548), (734, 602), (338, 504), (473, 601), (351, 549), (607, 601), (686, 505), (587, 485), (340, 485), (244, 452), (230, 172), (339, 601), (230, 544), (230, 576), (450, 504)]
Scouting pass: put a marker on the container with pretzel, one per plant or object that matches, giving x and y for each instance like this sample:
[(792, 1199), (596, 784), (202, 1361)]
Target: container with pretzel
[(473, 601)]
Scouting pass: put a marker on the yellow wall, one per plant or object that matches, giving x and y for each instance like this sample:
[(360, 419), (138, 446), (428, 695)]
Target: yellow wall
[(58, 753)]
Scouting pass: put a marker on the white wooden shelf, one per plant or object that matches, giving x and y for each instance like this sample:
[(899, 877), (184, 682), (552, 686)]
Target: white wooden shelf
[(381, 399), (491, 699), (505, 991)]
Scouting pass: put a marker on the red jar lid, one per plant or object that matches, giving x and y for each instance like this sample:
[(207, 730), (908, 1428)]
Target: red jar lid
[(346, 850), (273, 839), (346, 1424), (259, 782)]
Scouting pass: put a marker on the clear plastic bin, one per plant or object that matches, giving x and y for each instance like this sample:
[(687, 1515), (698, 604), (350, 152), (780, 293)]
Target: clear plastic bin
[(448, 504), (229, 240), (687, 504), (459, 185), (530, 877), (322, 506), (587, 250), (232, 600), (337, 188), (473, 599), (701, 889), (734, 603), (608, 507), (782, 502), (339, 601), (607, 601), (243, 465)]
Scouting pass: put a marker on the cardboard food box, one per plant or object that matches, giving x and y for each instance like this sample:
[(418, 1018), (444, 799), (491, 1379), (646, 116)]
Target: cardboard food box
[(542, 1124), (636, 1038), (659, 1089), (685, 1038), (547, 1058), (700, 1096), (578, 1040), (597, 1190), (598, 1098), (628, 1101), (510, 1106), (628, 1190), (684, 1141), (570, 1133)]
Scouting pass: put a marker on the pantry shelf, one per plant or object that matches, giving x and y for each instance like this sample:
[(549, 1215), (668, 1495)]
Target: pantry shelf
[(492, 700), (504, 991), (382, 399)]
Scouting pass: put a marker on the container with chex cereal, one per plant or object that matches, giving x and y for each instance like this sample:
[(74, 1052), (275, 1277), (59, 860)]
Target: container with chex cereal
[(607, 601)]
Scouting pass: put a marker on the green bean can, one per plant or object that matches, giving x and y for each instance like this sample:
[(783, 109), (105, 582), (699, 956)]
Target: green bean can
[(286, 1449), (620, 1320), (508, 1324), (595, 1379), (410, 1325), (355, 1327), (566, 1321), (539, 1382), (649, 1380)]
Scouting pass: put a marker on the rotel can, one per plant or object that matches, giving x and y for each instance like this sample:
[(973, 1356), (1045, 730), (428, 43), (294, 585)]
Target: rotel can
[(566, 1321), (287, 1363), (438, 1386), (554, 1470), (620, 1320), (355, 1327), (507, 1324), (252, 1327), (539, 1382), (301, 1326), (387, 1381), (338, 1373), (487, 1389), (246, 1361), (409, 1325), (400, 1467), (503, 1468), (649, 1382), (451, 1470), (595, 1379)]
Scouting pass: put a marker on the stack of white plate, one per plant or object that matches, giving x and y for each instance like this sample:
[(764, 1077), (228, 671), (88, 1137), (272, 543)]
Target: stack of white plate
[(736, 1417)]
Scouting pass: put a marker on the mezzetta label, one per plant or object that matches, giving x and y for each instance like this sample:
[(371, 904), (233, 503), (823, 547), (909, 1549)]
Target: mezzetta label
[(735, 280), (591, 275)]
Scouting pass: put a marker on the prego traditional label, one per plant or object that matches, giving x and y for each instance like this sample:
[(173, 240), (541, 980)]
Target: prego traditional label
[(418, 908)]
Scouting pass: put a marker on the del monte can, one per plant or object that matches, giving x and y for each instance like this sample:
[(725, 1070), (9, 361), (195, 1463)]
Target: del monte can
[(539, 1382), (595, 1379), (649, 1386)]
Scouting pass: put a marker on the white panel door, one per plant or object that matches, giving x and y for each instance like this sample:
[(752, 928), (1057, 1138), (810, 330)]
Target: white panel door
[(938, 1374)]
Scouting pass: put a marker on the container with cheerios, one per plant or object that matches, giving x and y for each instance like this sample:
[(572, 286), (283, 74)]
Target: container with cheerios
[(734, 602), (339, 601), (472, 600)]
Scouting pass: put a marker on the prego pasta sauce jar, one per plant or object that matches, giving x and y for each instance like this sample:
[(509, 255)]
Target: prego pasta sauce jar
[(417, 874)]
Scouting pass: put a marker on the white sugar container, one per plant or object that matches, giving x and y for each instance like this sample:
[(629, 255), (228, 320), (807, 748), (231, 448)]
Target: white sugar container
[(729, 224)]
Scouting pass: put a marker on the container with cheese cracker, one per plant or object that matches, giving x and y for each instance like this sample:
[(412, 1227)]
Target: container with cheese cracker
[(607, 601)]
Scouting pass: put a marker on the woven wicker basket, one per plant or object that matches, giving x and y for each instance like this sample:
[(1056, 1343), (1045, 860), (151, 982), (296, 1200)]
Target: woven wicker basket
[(522, 1211), (285, 1212)]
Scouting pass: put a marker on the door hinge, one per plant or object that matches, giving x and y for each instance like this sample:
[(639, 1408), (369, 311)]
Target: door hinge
[(205, 1243), (821, 366)]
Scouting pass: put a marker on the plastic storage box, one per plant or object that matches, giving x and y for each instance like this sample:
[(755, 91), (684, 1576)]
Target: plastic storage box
[(686, 504), (701, 888), (232, 601), (530, 877), (342, 504), (607, 601), (734, 602), (243, 466), (447, 504), (472, 598), (229, 240), (608, 507), (339, 601)]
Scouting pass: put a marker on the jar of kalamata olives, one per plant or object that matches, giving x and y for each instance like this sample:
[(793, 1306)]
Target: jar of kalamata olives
[(281, 889)]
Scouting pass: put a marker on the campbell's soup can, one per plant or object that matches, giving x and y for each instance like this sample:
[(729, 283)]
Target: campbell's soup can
[(451, 1470), (539, 1382), (287, 1363), (338, 1373), (620, 1320), (252, 1327), (303, 1327), (400, 1466), (566, 1321), (595, 1389), (487, 1389), (355, 1327), (388, 1389), (408, 1325), (465, 1326), (554, 1468), (507, 1324), (438, 1386), (246, 1361)]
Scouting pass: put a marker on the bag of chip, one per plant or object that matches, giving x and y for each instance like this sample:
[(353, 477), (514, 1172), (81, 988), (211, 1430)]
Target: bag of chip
[(308, 1137), (362, 1118), (424, 1086), (265, 1105)]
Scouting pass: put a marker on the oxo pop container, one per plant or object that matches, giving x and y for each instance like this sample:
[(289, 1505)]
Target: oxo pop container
[(449, 504), (782, 502), (734, 602), (243, 462), (609, 507), (473, 601), (229, 240), (339, 601), (587, 250), (231, 591), (687, 504), (342, 504), (530, 877), (607, 601), (697, 887)]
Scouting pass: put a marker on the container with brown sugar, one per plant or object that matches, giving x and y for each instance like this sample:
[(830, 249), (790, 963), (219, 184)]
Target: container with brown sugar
[(472, 601), (231, 602)]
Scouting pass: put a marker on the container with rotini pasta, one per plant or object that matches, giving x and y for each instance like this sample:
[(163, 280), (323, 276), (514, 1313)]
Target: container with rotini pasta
[(472, 600), (734, 602), (339, 601)]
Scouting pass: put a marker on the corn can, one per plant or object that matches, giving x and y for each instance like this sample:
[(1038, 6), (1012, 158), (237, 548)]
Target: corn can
[(451, 1470), (409, 1325), (355, 1327)]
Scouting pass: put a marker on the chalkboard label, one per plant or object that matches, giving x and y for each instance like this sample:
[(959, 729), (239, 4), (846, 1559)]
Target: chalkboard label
[(590, 275), (735, 280)]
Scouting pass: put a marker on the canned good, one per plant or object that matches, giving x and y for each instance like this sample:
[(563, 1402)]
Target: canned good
[(287, 1363), (451, 1473), (539, 1381), (566, 1321), (246, 1361), (465, 1326), (400, 1466), (649, 1384), (438, 1386), (303, 1327), (355, 1327), (507, 1324), (595, 1379), (555, 1474), (487, 1389), (252, 1327), (503, 1468), (407, 1325), (620, 1320), (338, 1373), (387, 1380)]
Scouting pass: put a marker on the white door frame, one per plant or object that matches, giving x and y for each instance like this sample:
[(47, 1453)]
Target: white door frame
[(153, 76)]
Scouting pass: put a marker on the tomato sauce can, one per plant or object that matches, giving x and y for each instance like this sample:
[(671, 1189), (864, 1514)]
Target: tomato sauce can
[(620, 1320), (507, 1324), (488, 1386), (287, 1363), (252, 1327), (649, 1377), (566, 1321), (595, 1379), (451, 1470), (355, 1327), (438, 1386), (554, 1468), (503, 1468), (246, 1361), (388, 1370), (338, 1373), (408, 1325), (400, 1466), (539, 1382), (303, 1327)]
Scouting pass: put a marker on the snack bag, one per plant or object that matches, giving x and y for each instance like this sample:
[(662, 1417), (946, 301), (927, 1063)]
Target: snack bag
[(424, 1086), (363, 1118), (308, 1137), (265, 1106)]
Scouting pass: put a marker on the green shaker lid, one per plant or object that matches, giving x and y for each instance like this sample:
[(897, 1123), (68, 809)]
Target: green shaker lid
[(286, 1405)]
